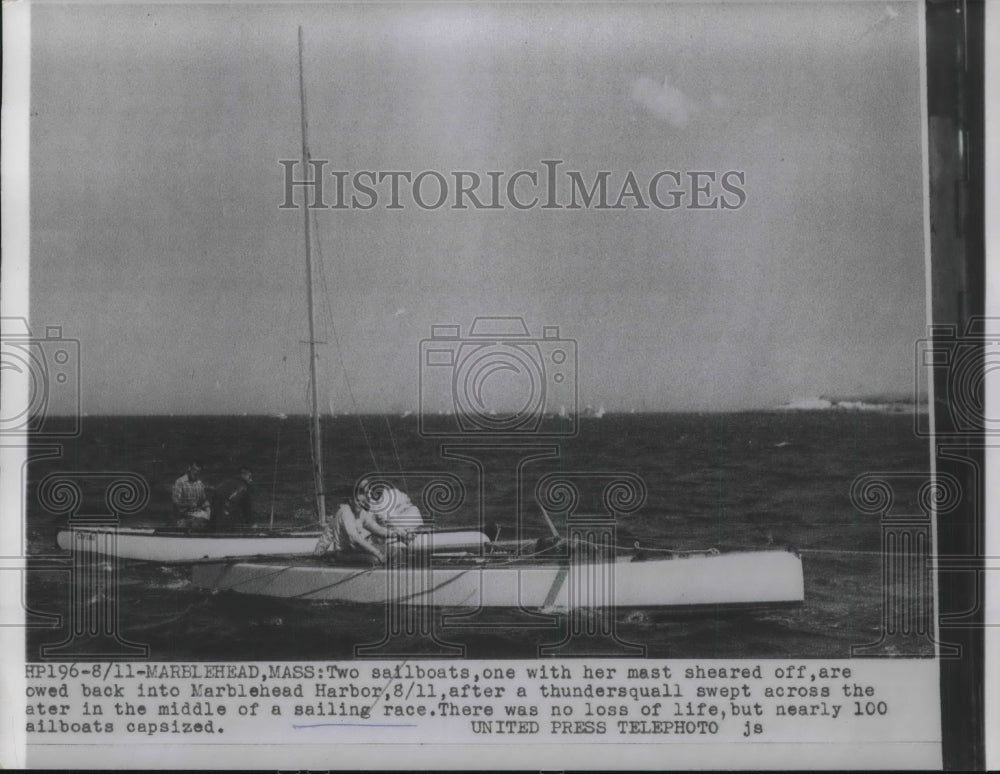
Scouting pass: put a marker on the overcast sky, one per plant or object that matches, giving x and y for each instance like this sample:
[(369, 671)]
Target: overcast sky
[(158, 241)]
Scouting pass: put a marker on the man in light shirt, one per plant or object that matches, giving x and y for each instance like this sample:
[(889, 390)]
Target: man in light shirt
[(190, 499), (355, 529), (391, 507)]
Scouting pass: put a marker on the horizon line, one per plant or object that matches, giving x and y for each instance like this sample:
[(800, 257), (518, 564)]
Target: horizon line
[(785, 409)]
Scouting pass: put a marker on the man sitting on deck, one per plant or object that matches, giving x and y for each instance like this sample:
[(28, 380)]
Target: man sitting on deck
[(355, 530), (231, 501), (190, 499)]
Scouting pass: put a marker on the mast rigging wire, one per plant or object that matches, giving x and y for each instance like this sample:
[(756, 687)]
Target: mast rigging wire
[(336, 341)]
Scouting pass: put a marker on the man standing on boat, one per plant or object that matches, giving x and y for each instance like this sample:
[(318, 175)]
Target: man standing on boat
[(231, 501), (190, 499), (355, 529)]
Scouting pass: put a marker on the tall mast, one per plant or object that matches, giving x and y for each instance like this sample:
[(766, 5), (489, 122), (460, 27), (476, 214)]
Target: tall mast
[(317, 443)]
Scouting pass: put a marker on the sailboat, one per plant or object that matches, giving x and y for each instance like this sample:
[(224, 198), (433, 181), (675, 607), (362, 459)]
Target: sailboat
[(472, 571), (467, 569), (175, 545)]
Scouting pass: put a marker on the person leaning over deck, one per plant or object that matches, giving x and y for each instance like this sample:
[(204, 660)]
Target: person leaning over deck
[(391, 507), (354, 529), (190, 499), (231, 501)]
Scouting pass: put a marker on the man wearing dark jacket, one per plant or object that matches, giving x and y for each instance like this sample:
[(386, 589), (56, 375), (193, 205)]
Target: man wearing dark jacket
[(231, 501)]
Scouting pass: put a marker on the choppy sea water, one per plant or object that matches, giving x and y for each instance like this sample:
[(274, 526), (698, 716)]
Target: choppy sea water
[(730, 481)]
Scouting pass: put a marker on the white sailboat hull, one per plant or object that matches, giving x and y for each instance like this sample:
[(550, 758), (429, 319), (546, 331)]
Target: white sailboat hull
[(181, 546), (169, 546), (739, 579)]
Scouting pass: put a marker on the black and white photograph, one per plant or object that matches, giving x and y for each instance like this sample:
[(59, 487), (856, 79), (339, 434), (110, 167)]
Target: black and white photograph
[(391, 340)]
